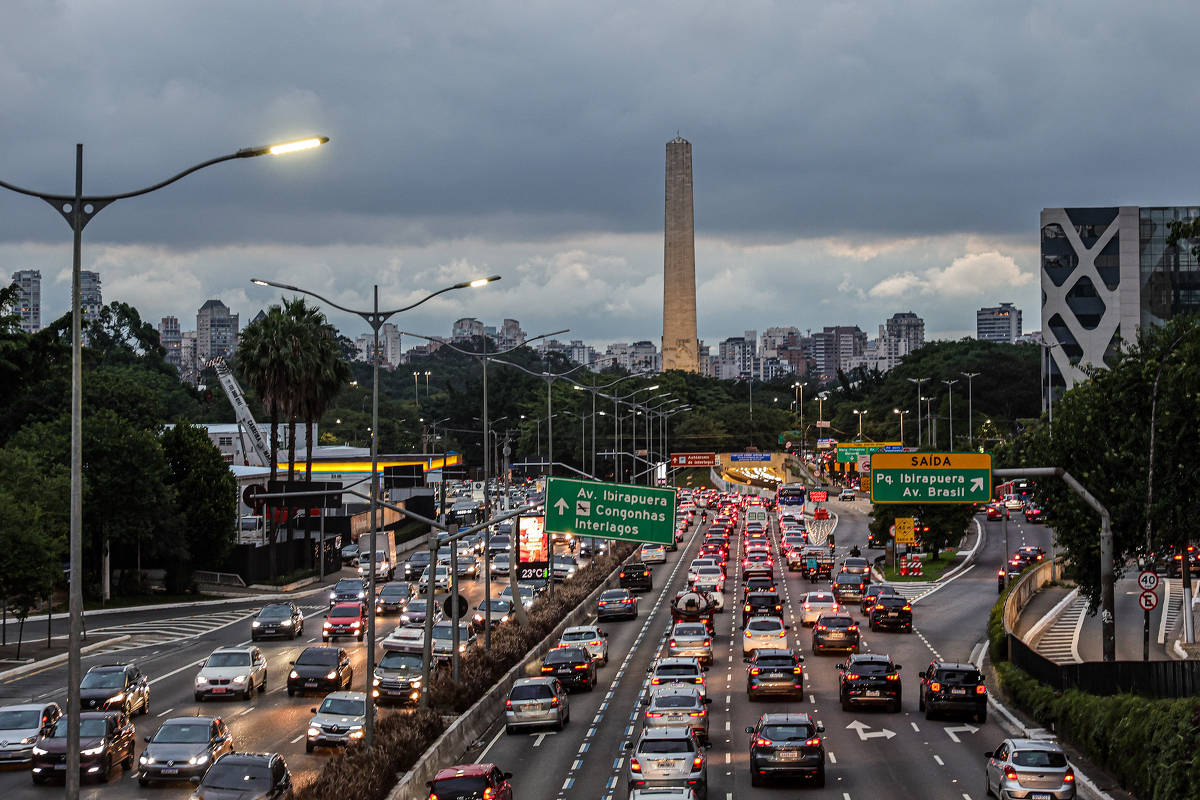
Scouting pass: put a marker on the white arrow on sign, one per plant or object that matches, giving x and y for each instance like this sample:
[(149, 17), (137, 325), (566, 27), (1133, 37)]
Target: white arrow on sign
[(537, 742), (561, 506), (861, 729), (960, 729), (976, 484)]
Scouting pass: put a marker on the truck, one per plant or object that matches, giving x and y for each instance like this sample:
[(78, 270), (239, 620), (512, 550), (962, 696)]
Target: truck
[(814, 561), (384, 556)]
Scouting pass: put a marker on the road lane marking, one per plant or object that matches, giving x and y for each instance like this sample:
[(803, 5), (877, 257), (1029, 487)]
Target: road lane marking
[(489, 746), (568, 783), (939, 761), (915, 728), (832, 758), (246, 711), (298, 738), (164, 713)]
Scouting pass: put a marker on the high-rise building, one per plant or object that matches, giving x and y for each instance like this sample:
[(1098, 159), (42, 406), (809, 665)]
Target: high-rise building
[(466, 329), (680, 347), (836, 345), (216, 331), (91, 298), (188, 371), (635, 357), (29, 298), (1107, 271), (1000, 323), (170, 337), (511, 335), (390, 342), (907, 327)]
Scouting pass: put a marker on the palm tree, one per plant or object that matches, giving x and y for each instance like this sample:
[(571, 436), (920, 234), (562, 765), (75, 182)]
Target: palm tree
[(325, 373), (260, 364)]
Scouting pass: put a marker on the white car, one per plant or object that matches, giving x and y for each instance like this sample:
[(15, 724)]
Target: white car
[(231, 671), (406, 639), (654, 553), (815, 604), (441, 579), (764, 633), (694, 568), (590, 638), (710, 574)]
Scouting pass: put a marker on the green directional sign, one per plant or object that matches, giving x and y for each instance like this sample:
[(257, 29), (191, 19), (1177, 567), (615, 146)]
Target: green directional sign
[(849, 452), (610, 510), (931, 477)]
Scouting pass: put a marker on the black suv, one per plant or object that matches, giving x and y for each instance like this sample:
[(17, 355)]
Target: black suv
[(786, 745), (947, 686), (759, 583), (775, 671), (847, 588), (573, 666), (835, 632), (870, 679), (233, 774), (873, 593), (761, 604), (312, 669), (347, 590), (891, 611), (417, 563), (636, 576), (114, 687), (277, 619)]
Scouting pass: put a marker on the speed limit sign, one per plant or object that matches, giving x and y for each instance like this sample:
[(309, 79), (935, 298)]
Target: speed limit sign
[(1148, 601), (1147, 580)]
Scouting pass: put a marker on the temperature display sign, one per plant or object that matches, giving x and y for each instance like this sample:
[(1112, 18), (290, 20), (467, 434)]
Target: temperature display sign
[(533, 549)]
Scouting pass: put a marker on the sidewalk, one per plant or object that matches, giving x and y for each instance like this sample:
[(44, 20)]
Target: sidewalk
[(1037, 608)]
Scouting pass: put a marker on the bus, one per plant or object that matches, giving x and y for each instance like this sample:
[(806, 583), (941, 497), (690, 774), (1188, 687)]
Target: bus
[(790, 497)]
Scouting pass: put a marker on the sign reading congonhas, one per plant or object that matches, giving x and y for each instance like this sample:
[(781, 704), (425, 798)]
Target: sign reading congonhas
[(610, 510)]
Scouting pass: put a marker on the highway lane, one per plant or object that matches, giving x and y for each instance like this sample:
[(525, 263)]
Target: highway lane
[(270, 722)]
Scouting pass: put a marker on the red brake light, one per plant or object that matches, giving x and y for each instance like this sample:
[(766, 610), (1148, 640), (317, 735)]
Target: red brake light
[(853, 627), (646, 573), (634, 766), (852, 676), (489, 794), (907, 607), (707, 642), (1010, 774), (697, 713), (1070, 776), (672, 643), (821, 627), (981, 689), (433, 796), (891, 676), (508, 705), (747, 606), (654, 714), (554, 702), (698, 762), (656, 681), (582, 666), (761, 742), (879, 606), (814, 742), (547, 669), (755, 670), (935, 687)]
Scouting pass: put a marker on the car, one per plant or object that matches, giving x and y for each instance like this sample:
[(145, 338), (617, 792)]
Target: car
[(106, 739), (775, 671), (635, 575), (347, 590), (759, 583), (20, 727), (690, 640), (995, 511), (870, 679), (713, 591), (385, 570), (668, 671), (855, 565), (261, 776), (536, 702), (815, 604), (757, 564), (848, 588), (229, 671), (320, 669), (668, 757), (835, 632), (416, 564), (468, 565), (501, 564), (761, 603), (873, 592), (1013, 502), (416, 608), (277, 619), (500, 613), (653, 553), (345, 619), (339, 720), (1029, 768), (109, 687), (704, 561), (763, 632), (786, 746), (392, 598), (891, 612), (443, 639), (952, 687), (565, 566), (590, 638), (398, 677), (616, 604), (471, 780), (499, 543), (183, 748), (441, 579), (590, 546), (1030, 553), (350, 554), (526, 592), (678, 705), (405, 639), (573, 666), (1035, 513), (847, 494)]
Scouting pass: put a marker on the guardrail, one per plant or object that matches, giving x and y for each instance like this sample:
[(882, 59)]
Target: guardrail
[(218, 578), (1027, 586)]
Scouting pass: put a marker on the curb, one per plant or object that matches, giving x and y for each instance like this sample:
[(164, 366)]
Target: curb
[(16, 672), (1049, 616), (954, 573)]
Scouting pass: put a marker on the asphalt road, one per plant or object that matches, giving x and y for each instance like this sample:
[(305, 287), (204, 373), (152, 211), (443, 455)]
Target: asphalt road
[(888, 755), (176, 640)]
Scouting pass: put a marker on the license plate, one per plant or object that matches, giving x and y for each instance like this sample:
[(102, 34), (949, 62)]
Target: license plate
[(665, 764), (218, 690), (310, 684), (834, 635), (170, 771), (788, 755), (1039, 796), (871, 693), (893, 613), (958, 691)]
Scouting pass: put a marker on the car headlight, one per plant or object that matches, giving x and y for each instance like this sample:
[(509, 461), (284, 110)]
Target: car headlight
[(331, 676), (240, 679), (333, 595), (37, 751), (28, 740), (416, 684), (375, 681), (404, 618), (293, 674), (256, 624), (356, 733), (287, 623), (94, 751), (200, 759), (117, 698), (145, 760), (361, 595), (313, 732), (201, 680), (479, 617), (504, 618)]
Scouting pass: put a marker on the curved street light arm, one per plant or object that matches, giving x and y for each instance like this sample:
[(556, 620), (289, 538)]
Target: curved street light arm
[(484, 354)]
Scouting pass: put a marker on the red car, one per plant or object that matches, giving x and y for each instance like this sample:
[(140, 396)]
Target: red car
[(471, 780), (345, 619), (995, 511)]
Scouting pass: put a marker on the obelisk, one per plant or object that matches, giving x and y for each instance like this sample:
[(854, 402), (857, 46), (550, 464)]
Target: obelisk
[(680, 347)]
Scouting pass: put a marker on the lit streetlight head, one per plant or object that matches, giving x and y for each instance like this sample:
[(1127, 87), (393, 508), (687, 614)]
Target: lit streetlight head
[(652, 388), (300, 144), (475, 284)]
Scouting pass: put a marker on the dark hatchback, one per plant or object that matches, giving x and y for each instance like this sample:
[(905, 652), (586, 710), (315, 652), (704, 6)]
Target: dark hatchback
[(616, 604), (761, 604), (392, 598), (775, 671), (948, 687), (246, 776), (417, 563), (347, 590), (277, 619), (873, 593), (759, 583), (786, 746), (636, 576), (183, 748), (106, 739), (311, 670), (573, 666), (891, 612), (870, 679), (835, 632), (397, 678), (115, 687), (848, 588)]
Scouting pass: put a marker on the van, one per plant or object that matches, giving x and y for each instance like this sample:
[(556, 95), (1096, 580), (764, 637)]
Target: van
[(384, 556)]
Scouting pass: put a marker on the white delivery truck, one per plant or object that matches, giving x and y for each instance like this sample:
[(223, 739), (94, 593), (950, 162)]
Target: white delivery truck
[(384, 556)]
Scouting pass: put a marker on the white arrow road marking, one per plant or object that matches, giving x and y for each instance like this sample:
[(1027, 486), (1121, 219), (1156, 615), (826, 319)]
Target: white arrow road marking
[(537, 742), (960, 729), (861, 729)]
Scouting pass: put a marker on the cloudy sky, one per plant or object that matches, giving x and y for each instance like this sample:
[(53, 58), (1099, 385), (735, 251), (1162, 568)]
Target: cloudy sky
[(851, 158)]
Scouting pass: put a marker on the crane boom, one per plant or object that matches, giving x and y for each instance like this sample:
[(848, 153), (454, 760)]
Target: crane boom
[(242, 411)]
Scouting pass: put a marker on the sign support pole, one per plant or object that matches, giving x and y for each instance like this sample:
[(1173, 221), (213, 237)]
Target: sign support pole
[(1146, 635)]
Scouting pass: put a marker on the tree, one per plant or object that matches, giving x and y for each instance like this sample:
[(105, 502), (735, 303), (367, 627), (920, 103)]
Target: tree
[(205, 500), (947, 522), (321, 373)]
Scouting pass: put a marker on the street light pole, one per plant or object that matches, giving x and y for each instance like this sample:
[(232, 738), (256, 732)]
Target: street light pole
[(375, 319), (918, 382), (950, 394), (78, 209), (970, 376), (860, 414), (900, 414)]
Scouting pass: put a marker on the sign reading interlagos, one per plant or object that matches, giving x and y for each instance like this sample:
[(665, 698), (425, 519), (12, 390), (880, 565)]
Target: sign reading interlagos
[(610, 510)]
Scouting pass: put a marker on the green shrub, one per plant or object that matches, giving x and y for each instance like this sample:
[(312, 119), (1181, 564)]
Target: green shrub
[(1151, 746)]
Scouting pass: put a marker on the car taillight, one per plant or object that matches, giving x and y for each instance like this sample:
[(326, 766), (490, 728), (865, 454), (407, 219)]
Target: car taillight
[(697, 762), (433, 796), (646, 573), (778, 607), (634, 766), (821, 628), (935, 687), (489, 794), (655, 681), (700, 713), (761, 742), (672, 643), (813, 742), (595, 643), (852, 676), (782, 634), (1000, 572), (981, 689), (1010, 774), (907, 607), (797, 670), (708, 642), (891, 676), (698, 680), (582, 666), (547, 669), (1070, 776), (554, 702), (853, 627), (508, 705), (879, 606), (622, 575), (747, 606), (654, 714), (755, 670)]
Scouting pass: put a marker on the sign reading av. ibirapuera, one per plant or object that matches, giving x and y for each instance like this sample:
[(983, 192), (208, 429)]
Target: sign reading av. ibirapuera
[(931, 477), (610, 510)]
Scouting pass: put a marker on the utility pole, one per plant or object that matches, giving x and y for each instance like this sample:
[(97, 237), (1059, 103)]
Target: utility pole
[(918, 382), (970, 409)]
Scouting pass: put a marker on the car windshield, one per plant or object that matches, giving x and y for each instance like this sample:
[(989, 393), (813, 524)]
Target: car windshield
[(1039, 758), (530, 691), (403, 661), (763, 625), (182, 733), (786, 733), (417, 604), (321, 656), (960, 676), (346, 610), (871, 667), (847, 579), (564, 655), (397, 589), (691, 630), (676, 670), (103, 680), (349, 585), (654, 746), (676, 701), (837, 622), (275, 612), (496, 604), (773, 661), (220, 659), (818, 597), (614, 594), (464, 788), (445, 630), (707, 570), (342, 706), (93, 728), (419, 558), (894, 601), (237, 777), (18, 720), (576, 636)]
